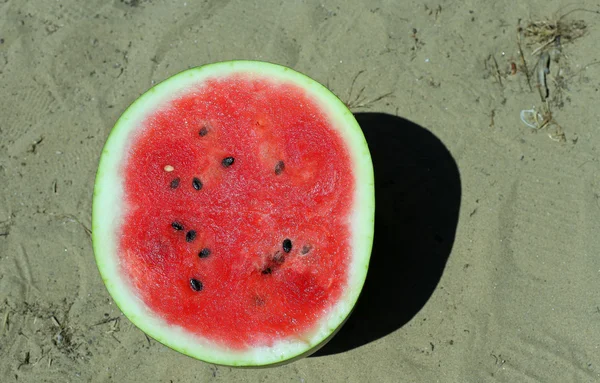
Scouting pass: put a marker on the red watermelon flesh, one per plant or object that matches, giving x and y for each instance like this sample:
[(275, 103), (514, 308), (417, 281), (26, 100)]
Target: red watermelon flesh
[(218, 185)]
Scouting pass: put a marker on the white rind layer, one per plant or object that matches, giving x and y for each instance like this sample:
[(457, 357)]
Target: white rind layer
[(108, 209)]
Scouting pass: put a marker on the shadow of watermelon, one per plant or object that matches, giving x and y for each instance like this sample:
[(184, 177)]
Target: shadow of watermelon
[(417, 198)]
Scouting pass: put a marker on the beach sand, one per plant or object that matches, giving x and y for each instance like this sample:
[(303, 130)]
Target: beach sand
[(486, 265)]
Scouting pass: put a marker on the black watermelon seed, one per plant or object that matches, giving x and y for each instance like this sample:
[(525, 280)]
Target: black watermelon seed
[(227, 161), (177, 226), (190, 235), (266, 271), (175, 183), (203, 132), (279, 167), (196, 183), (204, 253), (305, 249), (196, 284), (287, 245)]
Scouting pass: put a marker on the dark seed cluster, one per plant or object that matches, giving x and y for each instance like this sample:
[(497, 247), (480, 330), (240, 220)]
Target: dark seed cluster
[(190, 235), (278, 258)]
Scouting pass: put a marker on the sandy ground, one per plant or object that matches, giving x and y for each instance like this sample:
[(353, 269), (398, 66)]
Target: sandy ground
[(503, 281)]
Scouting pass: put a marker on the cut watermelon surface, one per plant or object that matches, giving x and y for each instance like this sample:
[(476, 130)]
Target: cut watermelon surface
[(233, 213)]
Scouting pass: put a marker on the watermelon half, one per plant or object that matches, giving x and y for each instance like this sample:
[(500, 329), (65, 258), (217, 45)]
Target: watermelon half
[(233, 213)]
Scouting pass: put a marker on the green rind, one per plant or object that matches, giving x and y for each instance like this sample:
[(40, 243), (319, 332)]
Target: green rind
[(105, 215)]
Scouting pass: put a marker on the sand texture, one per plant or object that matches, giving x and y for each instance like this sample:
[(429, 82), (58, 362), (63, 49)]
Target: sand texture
[(486, 263)]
